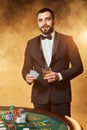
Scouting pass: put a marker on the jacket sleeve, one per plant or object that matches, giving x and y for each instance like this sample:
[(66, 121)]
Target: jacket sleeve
[(76, 66), (28, 64)]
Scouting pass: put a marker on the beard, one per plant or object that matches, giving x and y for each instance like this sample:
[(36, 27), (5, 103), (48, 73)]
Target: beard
[(46, 29)]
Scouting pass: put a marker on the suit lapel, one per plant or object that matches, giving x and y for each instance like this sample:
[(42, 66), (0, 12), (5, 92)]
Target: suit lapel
[(39, 53), (56, 43), (55, 47)]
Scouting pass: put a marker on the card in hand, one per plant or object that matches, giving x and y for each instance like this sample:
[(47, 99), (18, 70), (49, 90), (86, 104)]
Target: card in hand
[(34, 73)]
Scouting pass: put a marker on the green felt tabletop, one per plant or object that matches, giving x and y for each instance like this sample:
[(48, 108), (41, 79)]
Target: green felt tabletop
[(35, 121)]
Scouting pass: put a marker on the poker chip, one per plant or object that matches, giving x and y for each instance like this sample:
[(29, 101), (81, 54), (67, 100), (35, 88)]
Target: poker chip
[(45, 121), (25, 128), (3, 128), (1, 125), (18, 120)]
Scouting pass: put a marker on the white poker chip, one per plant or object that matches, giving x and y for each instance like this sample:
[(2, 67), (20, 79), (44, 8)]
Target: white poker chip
[(1, 125), (3, 128), (25, 128)]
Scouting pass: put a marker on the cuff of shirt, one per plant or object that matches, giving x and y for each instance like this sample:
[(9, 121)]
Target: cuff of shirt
[(60, 76)]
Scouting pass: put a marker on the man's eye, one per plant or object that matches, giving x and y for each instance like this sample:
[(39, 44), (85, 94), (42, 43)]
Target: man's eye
[(48, 18), (40, 20)]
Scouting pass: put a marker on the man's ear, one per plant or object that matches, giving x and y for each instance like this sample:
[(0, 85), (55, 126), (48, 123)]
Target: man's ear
[(55, 21)]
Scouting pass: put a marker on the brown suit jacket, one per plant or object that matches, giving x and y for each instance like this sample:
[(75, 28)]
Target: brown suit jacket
[(65, 52)]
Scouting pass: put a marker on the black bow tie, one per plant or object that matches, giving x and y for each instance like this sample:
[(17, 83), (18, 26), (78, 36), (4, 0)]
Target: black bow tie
[(46, 37)]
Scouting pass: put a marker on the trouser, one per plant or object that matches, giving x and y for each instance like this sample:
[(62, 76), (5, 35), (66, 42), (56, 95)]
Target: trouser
[(61, 108)]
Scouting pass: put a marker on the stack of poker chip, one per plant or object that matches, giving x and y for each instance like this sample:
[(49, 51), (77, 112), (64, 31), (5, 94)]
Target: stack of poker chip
[(15, 115), (2, 126)]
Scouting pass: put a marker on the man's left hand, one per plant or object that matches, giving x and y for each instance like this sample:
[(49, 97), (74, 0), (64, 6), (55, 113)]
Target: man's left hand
[(51, 76)]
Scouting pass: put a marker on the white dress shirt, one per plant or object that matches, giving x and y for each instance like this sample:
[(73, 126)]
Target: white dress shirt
[(47, 47)]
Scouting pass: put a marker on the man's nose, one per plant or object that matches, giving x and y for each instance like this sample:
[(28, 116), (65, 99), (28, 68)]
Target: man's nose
[(44, 22)]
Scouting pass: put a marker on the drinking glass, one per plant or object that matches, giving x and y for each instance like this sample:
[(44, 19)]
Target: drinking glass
[(45, 71)]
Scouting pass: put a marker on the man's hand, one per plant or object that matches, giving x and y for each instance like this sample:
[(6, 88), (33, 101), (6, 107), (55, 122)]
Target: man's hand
[(51, 76), (30, 78)]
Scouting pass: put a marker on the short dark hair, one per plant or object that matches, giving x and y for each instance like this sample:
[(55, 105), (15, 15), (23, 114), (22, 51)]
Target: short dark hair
[(46, 10)]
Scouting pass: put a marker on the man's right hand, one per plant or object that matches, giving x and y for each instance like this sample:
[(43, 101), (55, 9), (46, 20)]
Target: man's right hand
[(30, 78)]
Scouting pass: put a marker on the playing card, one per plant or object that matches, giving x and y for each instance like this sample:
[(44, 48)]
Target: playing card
[(34, 73)]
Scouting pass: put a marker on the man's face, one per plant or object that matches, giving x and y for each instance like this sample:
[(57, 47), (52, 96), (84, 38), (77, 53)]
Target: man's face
[(45, 22)]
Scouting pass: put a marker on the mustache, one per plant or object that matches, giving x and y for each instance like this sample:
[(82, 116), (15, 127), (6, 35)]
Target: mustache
[(44, 26)]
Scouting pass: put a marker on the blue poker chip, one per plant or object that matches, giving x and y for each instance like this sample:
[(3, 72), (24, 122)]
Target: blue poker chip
[(26, 129), (45, 121)]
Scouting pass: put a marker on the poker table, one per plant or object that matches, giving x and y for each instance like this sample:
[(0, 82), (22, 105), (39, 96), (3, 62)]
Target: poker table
[(40, 120)]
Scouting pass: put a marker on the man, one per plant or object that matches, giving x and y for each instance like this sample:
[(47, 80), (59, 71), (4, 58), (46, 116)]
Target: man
[(59, 53)]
